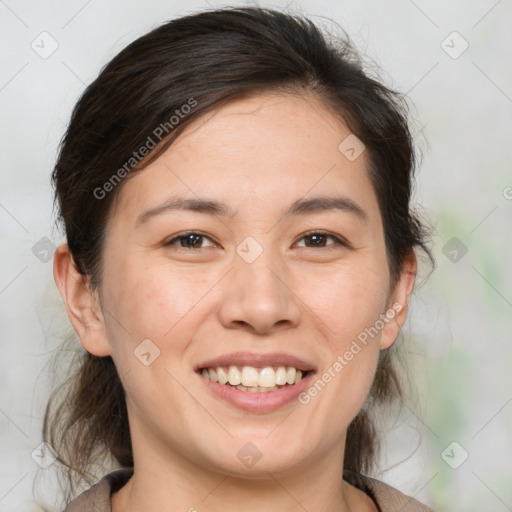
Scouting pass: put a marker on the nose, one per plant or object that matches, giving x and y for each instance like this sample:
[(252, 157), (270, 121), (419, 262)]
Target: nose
[(258, 296)]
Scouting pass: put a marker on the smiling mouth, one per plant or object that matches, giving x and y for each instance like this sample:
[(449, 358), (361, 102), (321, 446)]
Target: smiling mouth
[(254, 380)]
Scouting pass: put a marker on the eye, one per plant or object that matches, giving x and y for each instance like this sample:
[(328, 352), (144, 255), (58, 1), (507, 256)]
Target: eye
[(319, 239), (188, 240), (194, 240)]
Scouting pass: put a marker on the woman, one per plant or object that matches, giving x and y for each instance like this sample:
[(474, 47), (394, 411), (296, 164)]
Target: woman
[(240, 257)]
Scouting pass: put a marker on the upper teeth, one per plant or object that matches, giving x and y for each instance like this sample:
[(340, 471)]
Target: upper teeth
[(251, 377)]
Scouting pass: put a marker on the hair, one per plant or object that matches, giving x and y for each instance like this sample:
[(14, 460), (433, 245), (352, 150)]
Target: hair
[(205, 60)]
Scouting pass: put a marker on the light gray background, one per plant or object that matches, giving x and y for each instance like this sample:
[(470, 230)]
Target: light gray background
[(461, 317)]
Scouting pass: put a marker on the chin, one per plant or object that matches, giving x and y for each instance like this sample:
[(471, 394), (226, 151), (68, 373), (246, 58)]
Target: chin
[(254, 457)]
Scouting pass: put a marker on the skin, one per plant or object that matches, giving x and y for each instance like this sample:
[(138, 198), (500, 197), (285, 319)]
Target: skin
[(258, 155)]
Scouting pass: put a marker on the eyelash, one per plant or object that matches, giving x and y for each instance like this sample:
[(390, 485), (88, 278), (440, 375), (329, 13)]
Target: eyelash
[(337, 239)]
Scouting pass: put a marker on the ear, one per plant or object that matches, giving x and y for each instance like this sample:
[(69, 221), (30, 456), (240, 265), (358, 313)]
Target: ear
[(398, 305), (82, 303)]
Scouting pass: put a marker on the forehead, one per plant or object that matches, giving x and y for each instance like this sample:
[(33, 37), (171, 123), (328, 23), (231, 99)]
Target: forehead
[(271, 125), (262, 151)]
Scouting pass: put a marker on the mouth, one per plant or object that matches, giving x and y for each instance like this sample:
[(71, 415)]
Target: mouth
[(256, 383), (252, 379)]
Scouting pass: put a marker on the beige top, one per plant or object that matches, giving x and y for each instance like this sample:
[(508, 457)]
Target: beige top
[(387, 499)]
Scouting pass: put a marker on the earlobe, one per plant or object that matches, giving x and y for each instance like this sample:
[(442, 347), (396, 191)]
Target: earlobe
[(398, 307), (82, 303)]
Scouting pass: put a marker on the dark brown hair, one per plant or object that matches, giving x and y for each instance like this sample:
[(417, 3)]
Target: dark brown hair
[(205, 60)]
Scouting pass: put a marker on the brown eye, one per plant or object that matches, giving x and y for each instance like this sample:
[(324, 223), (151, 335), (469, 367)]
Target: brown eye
[(319, 239), (190, 240)]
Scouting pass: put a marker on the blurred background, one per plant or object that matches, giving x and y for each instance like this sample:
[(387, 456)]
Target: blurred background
[(452, 447)]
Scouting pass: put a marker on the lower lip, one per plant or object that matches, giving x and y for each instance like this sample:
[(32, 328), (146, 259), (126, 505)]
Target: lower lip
[(266, 401)]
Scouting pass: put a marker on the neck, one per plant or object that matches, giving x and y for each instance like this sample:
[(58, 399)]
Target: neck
[(168, 479), (171, 488), (177, 490)]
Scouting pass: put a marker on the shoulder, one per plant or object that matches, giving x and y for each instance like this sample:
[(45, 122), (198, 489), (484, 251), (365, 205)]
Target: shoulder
[(388, 498), (97, 497)]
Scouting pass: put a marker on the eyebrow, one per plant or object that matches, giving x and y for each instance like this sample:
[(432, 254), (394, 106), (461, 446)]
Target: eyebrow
[(300, 207)]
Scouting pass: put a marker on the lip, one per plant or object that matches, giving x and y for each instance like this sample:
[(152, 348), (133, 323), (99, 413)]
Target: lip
[(257, 361), (267, 401)]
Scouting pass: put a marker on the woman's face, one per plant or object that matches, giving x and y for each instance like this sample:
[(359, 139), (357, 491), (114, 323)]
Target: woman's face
[(286, 268)]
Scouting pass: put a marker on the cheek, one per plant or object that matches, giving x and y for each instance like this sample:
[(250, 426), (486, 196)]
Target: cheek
[(347, 301), (150, 300), (338, 393)]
